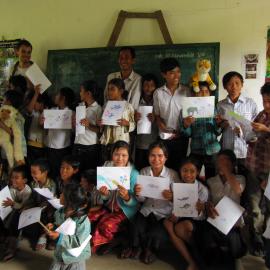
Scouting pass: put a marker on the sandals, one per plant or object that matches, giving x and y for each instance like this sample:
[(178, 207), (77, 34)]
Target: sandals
[(148, 257), (126, 253), (136, 253), (41, 243)]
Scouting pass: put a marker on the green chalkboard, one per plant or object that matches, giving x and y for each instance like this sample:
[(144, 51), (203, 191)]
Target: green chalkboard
[(71, 67)]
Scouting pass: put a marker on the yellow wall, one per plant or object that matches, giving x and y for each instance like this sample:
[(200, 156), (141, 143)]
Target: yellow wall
[(239, 25)]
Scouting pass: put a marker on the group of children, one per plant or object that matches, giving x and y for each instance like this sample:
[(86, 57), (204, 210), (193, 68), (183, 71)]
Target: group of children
[(236, 166)]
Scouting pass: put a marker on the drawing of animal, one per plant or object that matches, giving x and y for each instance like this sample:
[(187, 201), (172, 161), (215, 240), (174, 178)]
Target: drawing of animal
[(192, 110), (183, 199), (185, 206)]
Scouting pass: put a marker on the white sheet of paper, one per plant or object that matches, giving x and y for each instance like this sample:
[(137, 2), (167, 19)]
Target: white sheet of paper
[(67, 228), (29, 217), (229, 213), (113, 176), (185, 197), (152, 187), (80, 114), (55, 203), (57, 119), (113, 112), (36, 76), (44, 192), (267, 189), (75, 252), (240, 120), (4, 194), (144, 126), (266, 234), (198, 107)]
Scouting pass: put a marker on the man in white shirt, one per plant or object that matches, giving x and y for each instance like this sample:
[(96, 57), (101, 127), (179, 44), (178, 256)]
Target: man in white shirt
[(167, 108)]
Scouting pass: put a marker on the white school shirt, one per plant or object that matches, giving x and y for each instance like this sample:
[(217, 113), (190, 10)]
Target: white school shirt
[(133, 85), (168, 107), (93, 113), (218, 189), (20, 197), (244, 106), (160, 208), (202, 196), (58, 138)]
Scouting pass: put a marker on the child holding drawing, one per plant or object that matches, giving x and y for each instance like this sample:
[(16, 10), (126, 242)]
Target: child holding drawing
[(147, 229), (121, 203), (149, 85), (185, 232), (20, 193), (75, 208), (126, 124)]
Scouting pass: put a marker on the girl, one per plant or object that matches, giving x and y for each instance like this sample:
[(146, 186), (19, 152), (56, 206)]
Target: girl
[(182, 232), (86, 145), (147, 229), (121, 203), (149, 85), (225, 183), (75, 207), (112, 134), (59, 140)]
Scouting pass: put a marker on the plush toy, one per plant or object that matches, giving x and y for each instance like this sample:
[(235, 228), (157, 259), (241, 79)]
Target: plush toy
[(201, 75), (13, 150)]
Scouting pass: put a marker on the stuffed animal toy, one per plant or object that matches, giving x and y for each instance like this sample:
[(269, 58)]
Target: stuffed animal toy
[(11, 146), (202, 74)]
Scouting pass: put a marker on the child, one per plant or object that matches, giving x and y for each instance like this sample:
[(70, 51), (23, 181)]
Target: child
[(68, 172), (39, 173), (167, 107), (149, 85), (232, 134), (112, 134), (258, 163), (225, 183), (132, 80), (121, 203), (86, 145), (183, 232), (147, 229), (18, 83), (75, 207), (20, 193), (59, 140), (203, 133)]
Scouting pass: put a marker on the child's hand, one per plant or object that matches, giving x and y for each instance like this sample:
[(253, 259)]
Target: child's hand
[(104, 191), (50, 226), (167, 194), (53, 234), (99, 122), (151, 117), (137, 189), (8, 202), (123, 193), (188, 121), (173, 218), (37, 89), (123, 122), (85, 122), (237, 131), (200, 206), (211, 210), (41, 120), (221, 121), (137, 116), (259, 127)]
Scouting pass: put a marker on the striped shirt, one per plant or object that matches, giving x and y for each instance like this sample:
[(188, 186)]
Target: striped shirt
[(230, 140)]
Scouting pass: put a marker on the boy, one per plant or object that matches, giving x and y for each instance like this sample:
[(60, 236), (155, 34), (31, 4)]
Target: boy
[(203, 133), (258, 165), (132, 80), (167, 107)]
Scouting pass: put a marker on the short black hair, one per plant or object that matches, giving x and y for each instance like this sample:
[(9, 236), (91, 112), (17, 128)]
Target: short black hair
[(230, 155), (119, 83), (160, 145), (19, 82), (69, 96), (190, 160), (22, 169), (15, 98), (204, 84), (226, 78), (92, 87), (72, 160), (150, 77), (42, 163), (120, 144), (90, 176), (168, 64), (265, 90), (130, 49), (24, 42)]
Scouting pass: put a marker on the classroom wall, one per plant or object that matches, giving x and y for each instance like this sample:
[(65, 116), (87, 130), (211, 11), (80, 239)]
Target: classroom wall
[(239, 25)]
